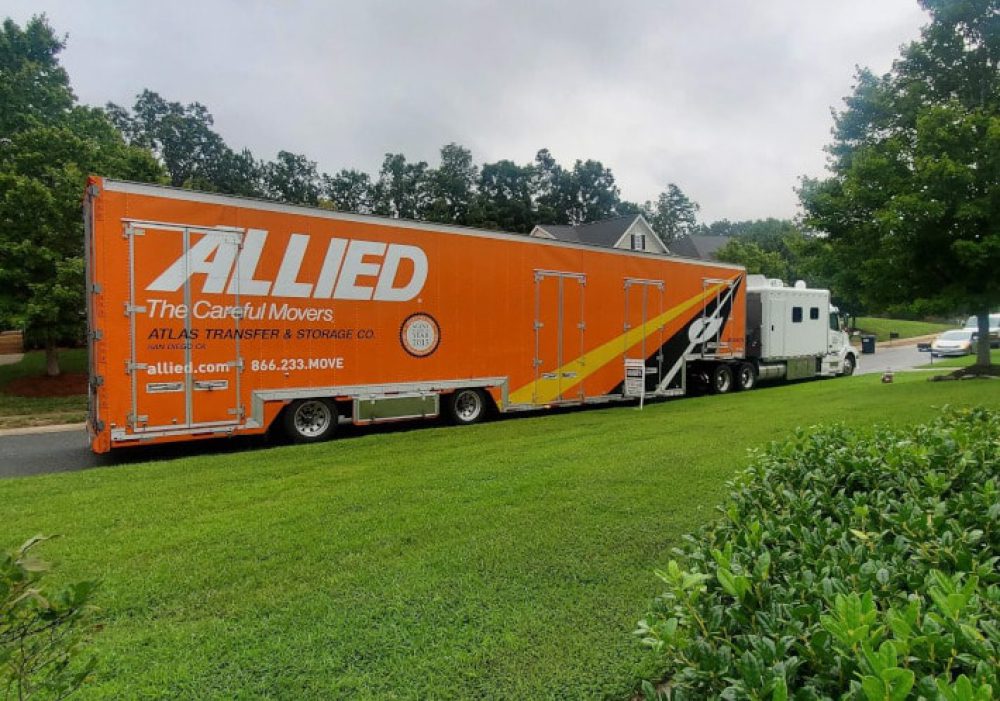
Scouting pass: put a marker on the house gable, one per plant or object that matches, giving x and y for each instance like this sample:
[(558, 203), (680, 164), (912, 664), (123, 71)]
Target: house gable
[(609, 233), (639, 225)]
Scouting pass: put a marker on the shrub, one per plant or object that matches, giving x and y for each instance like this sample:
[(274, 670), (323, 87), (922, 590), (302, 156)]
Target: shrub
[(845, 565), (41, 630)]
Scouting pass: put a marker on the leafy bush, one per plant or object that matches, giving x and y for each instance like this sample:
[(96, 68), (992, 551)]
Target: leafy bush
[(846, 565), (40, 630)]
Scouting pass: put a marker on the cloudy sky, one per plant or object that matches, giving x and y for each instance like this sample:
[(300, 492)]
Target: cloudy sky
[(730, 99)]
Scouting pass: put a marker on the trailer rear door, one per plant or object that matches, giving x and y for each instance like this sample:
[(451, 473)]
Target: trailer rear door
[(184, 344), (559, 337)]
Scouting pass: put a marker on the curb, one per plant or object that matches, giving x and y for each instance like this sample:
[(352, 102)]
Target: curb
[(28, 430)]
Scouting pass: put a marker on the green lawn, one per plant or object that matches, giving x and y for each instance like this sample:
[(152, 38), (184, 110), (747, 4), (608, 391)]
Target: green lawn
[(906, 329), (34, 411), (507, 560), (962, 361)]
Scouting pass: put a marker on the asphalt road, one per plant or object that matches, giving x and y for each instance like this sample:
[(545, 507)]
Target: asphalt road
[(892, 358), (65, 451)]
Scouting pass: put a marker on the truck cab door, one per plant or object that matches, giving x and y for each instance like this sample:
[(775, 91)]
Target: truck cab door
[(836, 335)]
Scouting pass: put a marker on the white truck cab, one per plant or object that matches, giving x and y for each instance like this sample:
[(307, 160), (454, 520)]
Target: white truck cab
[(794, 332)]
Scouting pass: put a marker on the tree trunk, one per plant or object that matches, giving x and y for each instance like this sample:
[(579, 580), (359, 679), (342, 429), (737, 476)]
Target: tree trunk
[(983, 347), (51, 359)]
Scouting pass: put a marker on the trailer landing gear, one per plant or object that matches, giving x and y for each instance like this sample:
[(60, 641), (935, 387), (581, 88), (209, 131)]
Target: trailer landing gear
[(310, 420)]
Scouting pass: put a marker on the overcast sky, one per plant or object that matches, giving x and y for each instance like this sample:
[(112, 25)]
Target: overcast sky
[(730, 99)]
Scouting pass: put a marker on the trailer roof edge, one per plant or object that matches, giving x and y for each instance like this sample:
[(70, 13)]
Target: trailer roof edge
[(129, 187)]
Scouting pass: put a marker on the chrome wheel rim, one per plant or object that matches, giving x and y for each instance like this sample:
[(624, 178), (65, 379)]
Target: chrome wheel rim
[(722, 381), (468, 405), (313, 418), (746, 377)]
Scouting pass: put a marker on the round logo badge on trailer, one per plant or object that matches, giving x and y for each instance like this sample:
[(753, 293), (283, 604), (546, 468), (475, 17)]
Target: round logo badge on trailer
[(420, 335)]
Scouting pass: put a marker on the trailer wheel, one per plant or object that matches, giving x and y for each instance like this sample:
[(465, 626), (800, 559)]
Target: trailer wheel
[(849, 366), (467, 406), (746, 377), (722, 379), (310, 420)]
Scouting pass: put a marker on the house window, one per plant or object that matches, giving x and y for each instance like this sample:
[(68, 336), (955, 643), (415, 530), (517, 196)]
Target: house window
[(814, 313), (638, 242), (796, 315)]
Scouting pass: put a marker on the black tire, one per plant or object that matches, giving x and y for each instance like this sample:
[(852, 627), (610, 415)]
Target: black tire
[(467, 406), (722, 379), (310, 420), (746, 377), (850, 365)]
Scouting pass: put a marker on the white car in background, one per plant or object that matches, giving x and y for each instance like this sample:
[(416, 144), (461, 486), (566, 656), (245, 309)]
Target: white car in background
[(955, 342), (973, 323)]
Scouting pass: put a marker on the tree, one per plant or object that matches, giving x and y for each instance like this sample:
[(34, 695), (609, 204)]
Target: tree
[(595, 195), (44, 162), (402, 188), (755, 259), (552, 190), (292, 178), (180, 136), (349, 191), (505, 199), (673, 215), (912, 205), (452, 187), (34, 88), (232, 172)]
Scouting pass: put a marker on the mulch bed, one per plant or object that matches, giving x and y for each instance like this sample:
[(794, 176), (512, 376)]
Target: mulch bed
[(68, 384), (972, 372)]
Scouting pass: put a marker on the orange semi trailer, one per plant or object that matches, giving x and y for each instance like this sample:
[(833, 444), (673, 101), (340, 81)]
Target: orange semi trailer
[(212, 315)]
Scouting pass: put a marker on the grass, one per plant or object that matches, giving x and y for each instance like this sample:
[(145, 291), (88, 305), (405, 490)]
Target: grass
[(906, 329), (505, 560), (36, 411), (962, 361)]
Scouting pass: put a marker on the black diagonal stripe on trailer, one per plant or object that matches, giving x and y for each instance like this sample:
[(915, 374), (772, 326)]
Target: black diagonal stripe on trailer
[(676, 346)]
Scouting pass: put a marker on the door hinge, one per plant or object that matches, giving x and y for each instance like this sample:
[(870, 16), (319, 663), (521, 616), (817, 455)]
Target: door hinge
[(130, 366), (134, 309), (96, 335)]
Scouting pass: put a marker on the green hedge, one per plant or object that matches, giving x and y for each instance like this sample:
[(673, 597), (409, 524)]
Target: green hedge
[(854, 565)]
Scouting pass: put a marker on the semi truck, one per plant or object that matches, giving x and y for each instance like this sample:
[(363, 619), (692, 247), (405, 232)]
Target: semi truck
[(212, 315)]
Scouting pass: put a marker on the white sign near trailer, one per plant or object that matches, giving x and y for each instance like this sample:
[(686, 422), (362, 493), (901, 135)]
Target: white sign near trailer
[(635, 378)]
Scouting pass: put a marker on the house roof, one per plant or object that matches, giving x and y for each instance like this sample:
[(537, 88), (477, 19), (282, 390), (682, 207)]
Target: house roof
[(704, 247), (606, 232)]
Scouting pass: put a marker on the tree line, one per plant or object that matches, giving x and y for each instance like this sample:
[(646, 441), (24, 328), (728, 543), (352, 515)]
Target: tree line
[(503, 195)]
